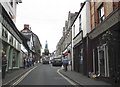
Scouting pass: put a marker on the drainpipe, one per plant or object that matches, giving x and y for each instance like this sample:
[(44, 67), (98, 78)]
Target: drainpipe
[(72, 63)]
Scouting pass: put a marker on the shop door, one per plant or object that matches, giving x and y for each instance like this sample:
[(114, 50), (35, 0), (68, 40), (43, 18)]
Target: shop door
[(103, 64)]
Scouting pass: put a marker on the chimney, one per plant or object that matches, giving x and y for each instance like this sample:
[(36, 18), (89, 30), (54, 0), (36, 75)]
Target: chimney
[(26, 26), (81, 5)]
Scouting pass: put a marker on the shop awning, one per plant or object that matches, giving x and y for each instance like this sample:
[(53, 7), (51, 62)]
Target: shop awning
[(66, 53)]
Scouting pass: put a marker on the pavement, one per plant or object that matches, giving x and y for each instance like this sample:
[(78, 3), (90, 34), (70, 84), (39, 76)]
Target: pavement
[(14, 74), (84, 81), (76, 77)]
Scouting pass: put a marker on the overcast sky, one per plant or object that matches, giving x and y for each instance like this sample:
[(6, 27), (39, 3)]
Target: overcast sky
[(46, 18)]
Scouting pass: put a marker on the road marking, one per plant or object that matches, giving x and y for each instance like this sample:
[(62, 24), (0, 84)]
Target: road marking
[(71, 82), (20, 79)]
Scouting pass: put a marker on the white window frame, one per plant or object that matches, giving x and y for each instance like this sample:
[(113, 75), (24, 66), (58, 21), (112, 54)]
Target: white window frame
[(80, 24), (101, 13), (106, 59)]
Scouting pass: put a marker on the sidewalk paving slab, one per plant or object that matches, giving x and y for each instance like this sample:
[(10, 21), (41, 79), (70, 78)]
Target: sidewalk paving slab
[(14, 74), (84, 80)]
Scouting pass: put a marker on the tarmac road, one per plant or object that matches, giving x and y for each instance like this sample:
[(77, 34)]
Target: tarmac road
[(44, 74)]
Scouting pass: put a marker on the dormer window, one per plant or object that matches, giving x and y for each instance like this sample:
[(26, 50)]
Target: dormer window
[(11, 3)]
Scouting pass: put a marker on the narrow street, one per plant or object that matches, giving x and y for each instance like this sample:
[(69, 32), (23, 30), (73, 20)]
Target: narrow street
[(82, 36), (44, 74)]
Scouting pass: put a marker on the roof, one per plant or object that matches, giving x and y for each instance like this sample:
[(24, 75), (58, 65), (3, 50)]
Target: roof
[(28, 36), (19, 1)]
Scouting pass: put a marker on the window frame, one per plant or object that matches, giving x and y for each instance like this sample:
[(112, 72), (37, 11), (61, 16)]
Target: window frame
[(3, 31), (101, 13), (11, 3), (80, 23)]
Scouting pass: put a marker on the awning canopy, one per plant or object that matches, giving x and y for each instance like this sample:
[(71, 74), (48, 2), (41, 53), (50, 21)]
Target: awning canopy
[(66, 53)]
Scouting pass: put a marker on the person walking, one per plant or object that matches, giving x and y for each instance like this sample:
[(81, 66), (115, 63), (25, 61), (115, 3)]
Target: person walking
[(65, 63), (4, 64), (31, 60), (24, 62), (28, 62)]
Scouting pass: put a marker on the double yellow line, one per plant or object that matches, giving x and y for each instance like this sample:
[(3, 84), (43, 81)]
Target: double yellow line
[(21, 78)]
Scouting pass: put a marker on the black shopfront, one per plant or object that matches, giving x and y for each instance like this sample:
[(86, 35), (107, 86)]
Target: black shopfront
[(105, 40)]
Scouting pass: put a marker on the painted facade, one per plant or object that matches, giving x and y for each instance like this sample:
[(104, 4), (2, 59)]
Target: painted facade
[(11, 40), (10, 7), (64, 44), (80, 29), (95, 40), (105, 39), (33, 42)]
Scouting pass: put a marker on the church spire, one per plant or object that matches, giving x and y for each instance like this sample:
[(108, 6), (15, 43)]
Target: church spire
[(46, 50), (46, 45)]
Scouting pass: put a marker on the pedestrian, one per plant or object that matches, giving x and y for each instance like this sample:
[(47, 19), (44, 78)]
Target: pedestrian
[(28, 62), (33, 61), (24, 62), (65, 63), (4, 64)]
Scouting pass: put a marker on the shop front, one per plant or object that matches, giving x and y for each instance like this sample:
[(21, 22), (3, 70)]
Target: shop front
[(106, 47), (79, 53), (11, 41)]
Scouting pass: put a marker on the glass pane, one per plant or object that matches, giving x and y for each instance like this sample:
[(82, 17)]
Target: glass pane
[(102, 11)]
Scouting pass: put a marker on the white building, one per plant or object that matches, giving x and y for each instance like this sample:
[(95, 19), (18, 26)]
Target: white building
[(10, 7), (9, 35), (80, 28), (82, 22)]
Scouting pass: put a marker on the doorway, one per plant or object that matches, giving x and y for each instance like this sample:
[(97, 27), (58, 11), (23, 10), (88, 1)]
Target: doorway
[(103, 61)]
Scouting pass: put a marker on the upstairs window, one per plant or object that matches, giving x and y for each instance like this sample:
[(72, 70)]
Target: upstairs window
[(3, 31), (74, 30), (11, 40), (80, 27), (11, 3), (6, 34), (101, 14)]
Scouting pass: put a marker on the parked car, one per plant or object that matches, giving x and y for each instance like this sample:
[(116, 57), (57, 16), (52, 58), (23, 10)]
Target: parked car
[(57, 61), (45, 61), (51, 60)]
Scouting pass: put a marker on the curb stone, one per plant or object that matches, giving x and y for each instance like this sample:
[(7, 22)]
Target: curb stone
[(72, 79), (8, 83)]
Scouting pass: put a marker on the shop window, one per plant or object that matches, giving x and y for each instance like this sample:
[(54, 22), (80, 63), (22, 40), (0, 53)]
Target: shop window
[(81, 56), (103, 61), (101, 14)]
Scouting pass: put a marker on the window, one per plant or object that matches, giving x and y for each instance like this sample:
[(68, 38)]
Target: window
[(74, 30), (11, 39), (6, 34), (80, 27), (11, 3), (101, 14), (15, 43), (3, 32)]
